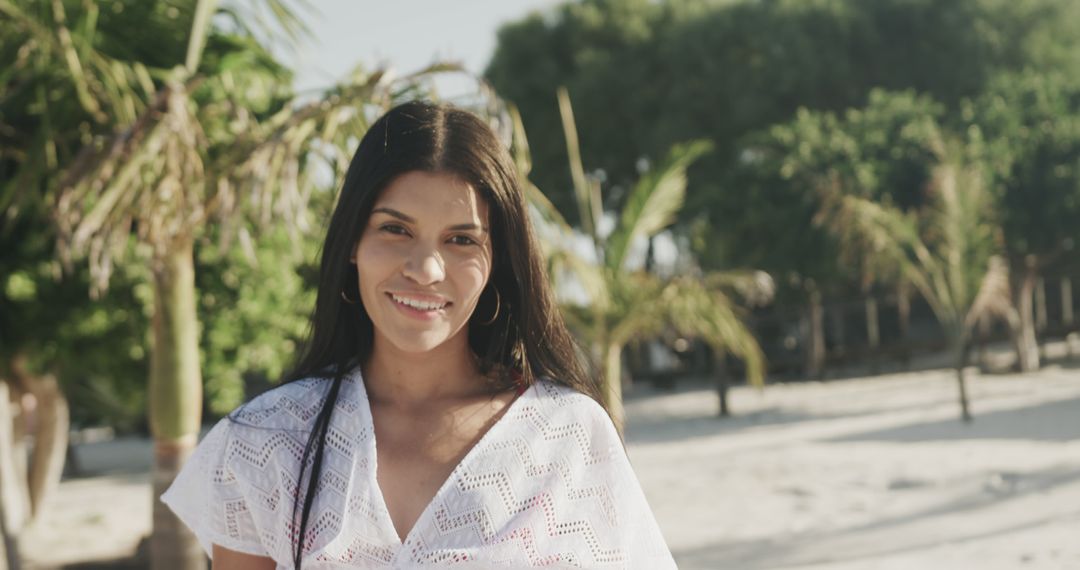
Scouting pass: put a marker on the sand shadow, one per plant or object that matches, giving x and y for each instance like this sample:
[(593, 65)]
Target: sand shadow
[(805, 549), (140, 560), (1057, 421), (666, 428), (781, 553)]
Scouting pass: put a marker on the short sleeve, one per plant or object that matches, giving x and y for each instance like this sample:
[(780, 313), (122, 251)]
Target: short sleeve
[(209, 498), (596, 489), (639, 535)]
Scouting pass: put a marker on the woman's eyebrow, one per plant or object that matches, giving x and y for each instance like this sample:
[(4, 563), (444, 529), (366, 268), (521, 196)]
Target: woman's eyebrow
[(460, 227), (394, 213), (407, 218)]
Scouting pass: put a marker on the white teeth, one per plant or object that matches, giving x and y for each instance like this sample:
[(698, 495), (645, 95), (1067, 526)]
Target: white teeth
[(422, 305)]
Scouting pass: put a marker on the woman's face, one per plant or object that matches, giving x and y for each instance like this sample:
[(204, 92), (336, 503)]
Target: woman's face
[(423, 259)]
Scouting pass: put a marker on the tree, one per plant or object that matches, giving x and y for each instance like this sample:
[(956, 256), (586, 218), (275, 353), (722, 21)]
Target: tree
[(623, 303), (50, 335), (1032, 125), (613, 42), (647, 75), (211, 140), (949, 249), (880, 151)]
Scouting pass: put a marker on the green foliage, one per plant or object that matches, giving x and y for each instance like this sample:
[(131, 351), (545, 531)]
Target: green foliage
[(883, 151), (1031, 122), (49, 110), (645, 76), (625, 304), (254, 313), (612, 42), (95, 347), (944, 243), (654, 202), (101, 133)]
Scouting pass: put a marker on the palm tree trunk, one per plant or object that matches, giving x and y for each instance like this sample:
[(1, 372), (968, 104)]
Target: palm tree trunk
[(722, 381), (613, 380), (50, 436), (814, 333), (1041, 319), (1027, 346), (903, 309), (982, 329), (961, 350), (9, 546), (836, 320), (50, 442), (175, 400), (1067, 317)]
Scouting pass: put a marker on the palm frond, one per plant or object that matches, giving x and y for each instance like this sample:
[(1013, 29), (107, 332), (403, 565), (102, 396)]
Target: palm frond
[(756, 288), (994, 296), (636, 311), (654, 201), (883, 231), (587, 192), (712, 316), (947, 252), (104, 86), (567, 264)]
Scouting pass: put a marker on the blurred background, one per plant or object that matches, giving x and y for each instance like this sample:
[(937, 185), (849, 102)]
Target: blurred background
[(821, 252)]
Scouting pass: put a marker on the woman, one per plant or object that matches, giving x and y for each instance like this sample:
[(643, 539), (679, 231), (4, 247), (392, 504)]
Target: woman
[(438, 415)]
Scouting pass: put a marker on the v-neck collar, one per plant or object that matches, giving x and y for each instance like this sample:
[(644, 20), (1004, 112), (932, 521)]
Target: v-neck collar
[(383, 512)]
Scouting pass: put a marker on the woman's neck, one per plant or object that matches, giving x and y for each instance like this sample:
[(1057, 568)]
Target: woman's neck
[(407, 379)]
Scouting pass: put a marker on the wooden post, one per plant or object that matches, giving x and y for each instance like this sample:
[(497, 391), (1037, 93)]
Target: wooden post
[(1027, 343), (1067, 317), (1040, 305), (903, 309), (873, 332), (1040, 315), (814, 337)]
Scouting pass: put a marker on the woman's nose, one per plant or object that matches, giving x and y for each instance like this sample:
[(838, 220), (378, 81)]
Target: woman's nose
[(425, 265)]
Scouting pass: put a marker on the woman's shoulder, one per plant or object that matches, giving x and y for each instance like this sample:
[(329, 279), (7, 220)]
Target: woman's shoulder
[(292, 405), (565, 403), (561, 395)]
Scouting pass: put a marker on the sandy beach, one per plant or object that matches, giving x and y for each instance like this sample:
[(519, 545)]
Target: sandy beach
[(863, 473)]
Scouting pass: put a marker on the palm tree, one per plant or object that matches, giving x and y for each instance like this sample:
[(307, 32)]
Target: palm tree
[(625, 304), (949, 251), (197, 144)]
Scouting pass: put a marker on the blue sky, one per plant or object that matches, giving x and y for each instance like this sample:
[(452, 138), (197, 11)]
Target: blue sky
[(403, 34)]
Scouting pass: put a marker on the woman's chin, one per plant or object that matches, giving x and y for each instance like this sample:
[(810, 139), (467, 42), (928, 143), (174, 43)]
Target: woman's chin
[(419, 343)]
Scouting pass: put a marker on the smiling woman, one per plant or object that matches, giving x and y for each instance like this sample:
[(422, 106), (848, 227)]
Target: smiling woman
[(426, 258), (438, 415)]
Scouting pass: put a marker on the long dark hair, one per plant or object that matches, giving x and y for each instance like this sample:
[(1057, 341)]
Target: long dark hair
[(528, 338)]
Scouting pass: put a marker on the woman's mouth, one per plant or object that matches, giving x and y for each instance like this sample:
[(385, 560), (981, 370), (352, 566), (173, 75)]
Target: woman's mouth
[(423, 308)]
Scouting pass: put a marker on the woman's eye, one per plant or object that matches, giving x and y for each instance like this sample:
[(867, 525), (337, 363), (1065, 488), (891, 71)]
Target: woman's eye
[(462, 240), (393, 229)]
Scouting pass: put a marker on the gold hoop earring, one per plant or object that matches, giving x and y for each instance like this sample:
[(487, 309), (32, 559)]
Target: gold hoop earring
[(498, 305)]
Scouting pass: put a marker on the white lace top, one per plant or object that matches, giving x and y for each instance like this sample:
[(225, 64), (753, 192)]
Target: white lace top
[(548, 485)]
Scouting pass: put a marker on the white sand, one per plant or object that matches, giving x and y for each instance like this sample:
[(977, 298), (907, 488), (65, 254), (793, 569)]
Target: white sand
[(868, 474), (875, 473)]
